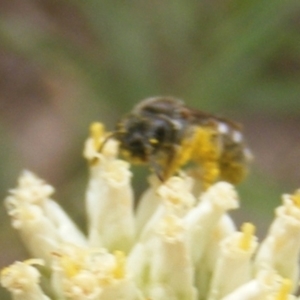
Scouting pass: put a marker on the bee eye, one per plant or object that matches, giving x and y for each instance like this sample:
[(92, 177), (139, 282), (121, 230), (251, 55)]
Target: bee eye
[(160, 133), (136, 143)]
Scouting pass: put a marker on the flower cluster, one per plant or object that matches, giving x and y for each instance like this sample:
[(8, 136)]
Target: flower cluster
[(179, 244)]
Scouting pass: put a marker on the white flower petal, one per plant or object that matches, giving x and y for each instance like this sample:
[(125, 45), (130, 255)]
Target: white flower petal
[(66, 228), (280, 249), (109, 204), (22, 280), (201, 221), (266, 284), (37, 232), (235, 253)]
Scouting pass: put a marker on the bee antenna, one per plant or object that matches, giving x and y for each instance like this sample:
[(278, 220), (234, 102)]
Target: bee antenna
[(107, 138)]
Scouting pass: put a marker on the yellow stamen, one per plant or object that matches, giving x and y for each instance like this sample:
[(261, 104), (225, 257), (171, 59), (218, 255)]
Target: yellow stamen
[(284, 291), (174, 199), (97, 133), (296, 198), (68, 264), (119, 271), (248, 230), (70, 267)]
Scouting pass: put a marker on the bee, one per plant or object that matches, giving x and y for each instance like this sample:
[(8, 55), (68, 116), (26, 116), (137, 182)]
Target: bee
[(166, 134)]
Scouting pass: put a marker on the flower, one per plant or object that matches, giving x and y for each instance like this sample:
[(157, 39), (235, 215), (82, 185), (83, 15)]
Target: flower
[(178, 244)]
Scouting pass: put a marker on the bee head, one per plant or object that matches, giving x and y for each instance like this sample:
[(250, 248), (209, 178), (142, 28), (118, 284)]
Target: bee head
[(141, 137)]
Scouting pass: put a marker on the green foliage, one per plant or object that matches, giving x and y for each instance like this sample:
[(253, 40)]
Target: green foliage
[(213, 53)]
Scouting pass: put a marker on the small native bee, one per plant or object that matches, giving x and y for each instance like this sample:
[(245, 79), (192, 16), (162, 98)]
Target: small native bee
[(166, 134)]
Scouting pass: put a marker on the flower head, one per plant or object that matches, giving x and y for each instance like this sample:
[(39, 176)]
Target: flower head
[(180, 243)]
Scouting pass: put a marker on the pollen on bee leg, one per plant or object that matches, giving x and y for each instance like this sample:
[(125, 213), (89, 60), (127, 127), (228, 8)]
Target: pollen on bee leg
[(206, 151), (211, 173), (182, 156)]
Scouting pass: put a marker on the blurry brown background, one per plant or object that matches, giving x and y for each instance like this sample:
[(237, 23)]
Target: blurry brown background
[(64, 64)]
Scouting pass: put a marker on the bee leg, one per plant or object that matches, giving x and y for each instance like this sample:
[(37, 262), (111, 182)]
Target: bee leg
[(156, 168), (172, 162)]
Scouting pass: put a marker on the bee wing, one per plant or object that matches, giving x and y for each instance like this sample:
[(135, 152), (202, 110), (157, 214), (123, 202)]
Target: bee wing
[(198, 117)]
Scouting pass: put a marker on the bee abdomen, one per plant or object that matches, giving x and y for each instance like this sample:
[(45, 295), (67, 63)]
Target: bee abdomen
[(235, 155)]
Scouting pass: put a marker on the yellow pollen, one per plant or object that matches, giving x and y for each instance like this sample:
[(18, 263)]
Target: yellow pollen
[(175, 199), (286, 287), (153, 141), (97, 133), (296, 198), (206, 151), (69, 266), (119, 271), (248, 230), (211, 173)]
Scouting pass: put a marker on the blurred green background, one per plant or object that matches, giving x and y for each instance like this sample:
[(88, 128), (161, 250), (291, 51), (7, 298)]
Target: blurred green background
[(64, 64)]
